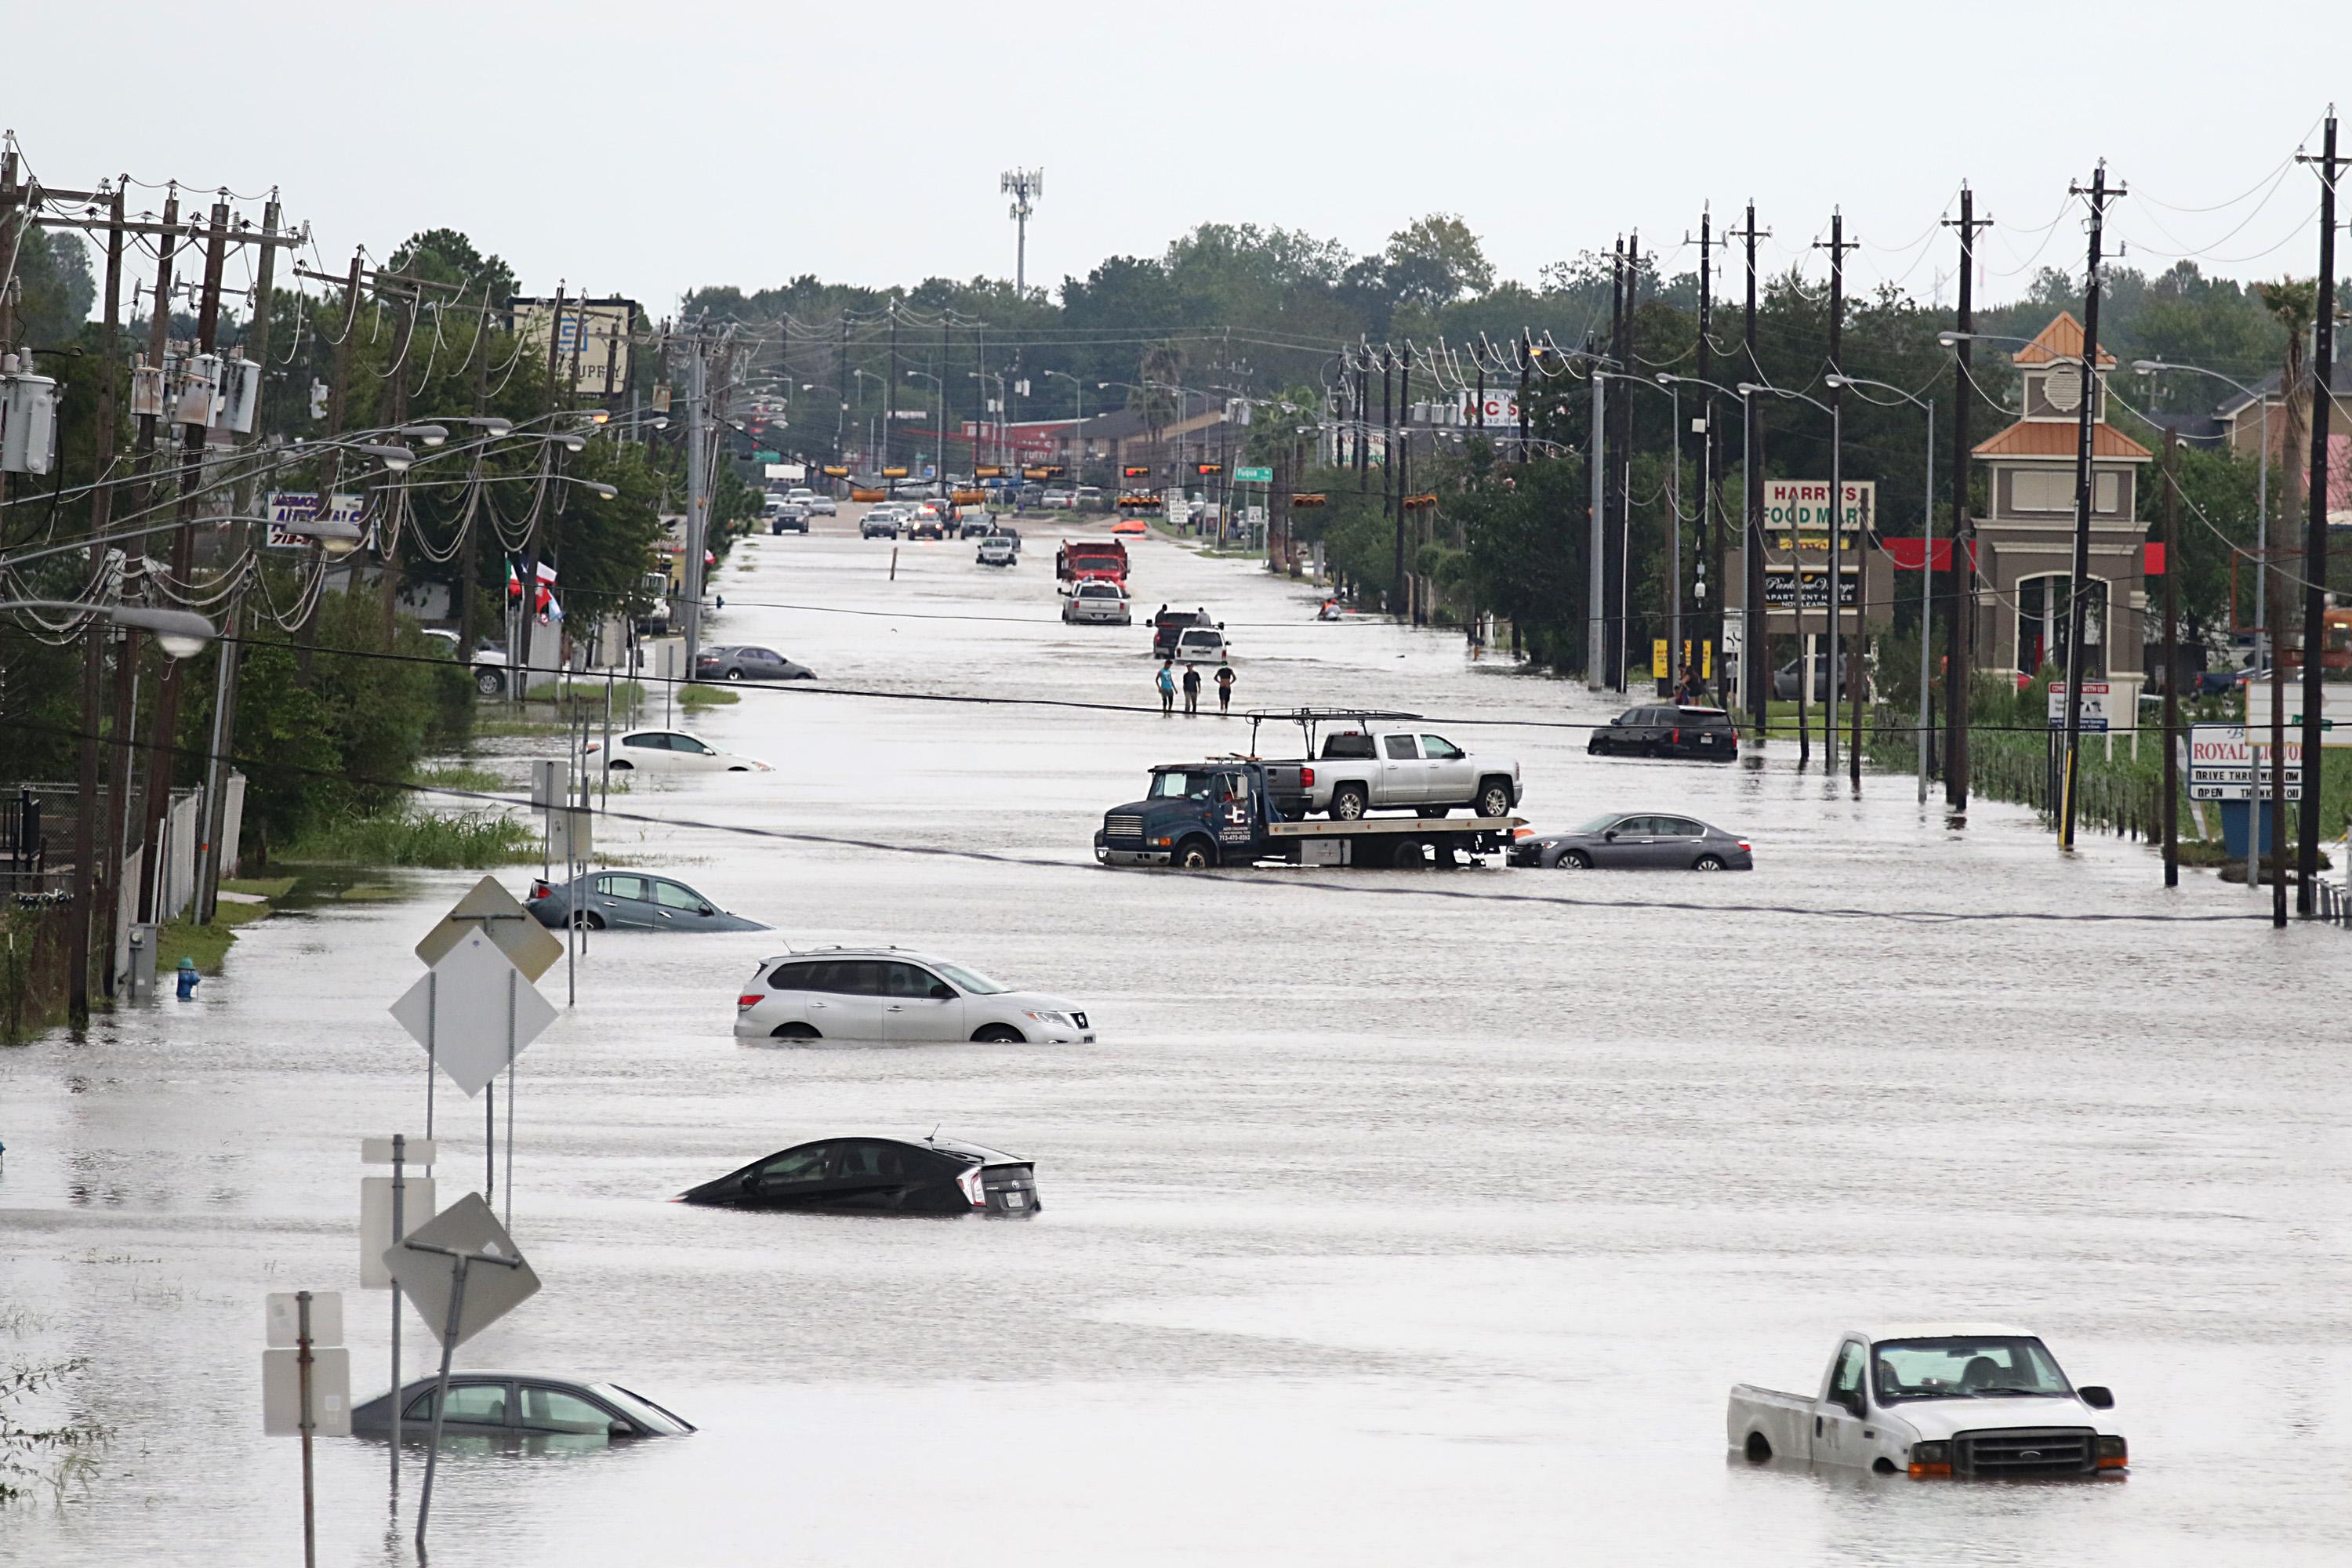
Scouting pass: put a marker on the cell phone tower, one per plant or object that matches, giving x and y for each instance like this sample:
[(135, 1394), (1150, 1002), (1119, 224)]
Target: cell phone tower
[(1021, 184)]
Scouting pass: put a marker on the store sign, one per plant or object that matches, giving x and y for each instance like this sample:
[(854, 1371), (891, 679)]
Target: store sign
[(1780, 587), (2093, 713), (1801, 508), (2223, 764), (287, 511)]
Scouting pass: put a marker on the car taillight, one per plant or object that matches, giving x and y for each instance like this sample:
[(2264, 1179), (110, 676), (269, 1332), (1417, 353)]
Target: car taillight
[(750, 998), (1745, 845), (1677, 736), (1306, 777), (539, 888), (969, 1180)]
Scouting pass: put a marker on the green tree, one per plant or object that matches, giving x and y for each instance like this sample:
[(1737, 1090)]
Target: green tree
[(1435, 260)]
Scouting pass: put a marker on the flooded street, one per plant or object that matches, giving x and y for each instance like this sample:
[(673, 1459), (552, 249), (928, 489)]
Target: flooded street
[(1396, 1216)]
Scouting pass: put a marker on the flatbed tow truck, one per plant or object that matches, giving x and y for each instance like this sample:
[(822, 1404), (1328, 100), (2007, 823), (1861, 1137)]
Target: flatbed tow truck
[(1243, 810)]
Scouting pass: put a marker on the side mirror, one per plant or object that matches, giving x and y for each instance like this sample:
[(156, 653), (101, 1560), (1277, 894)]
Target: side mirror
[(2096, 1396), (620, 1429), (1852, 1400), (1611, 836), (705, 909), (942, 992)]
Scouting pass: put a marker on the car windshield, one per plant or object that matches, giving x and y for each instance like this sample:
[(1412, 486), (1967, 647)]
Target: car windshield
[(1175, 783), (637, 1407), (972, 980), (1598, 823), (1970, 1368)]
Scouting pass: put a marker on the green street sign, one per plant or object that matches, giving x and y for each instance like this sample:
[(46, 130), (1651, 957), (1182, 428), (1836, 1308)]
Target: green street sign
[(1254, 476), (767, 456)]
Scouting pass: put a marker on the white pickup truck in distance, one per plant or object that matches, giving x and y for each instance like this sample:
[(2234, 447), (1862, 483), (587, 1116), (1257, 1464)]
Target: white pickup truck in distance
[(1983, 1402)]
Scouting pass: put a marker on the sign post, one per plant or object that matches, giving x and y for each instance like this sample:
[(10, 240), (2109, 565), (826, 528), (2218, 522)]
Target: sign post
[(435, 1267), (305, 1373), (383, 1220), (474, 1012)]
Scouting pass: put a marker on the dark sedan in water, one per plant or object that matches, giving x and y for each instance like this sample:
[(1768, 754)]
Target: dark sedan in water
[(522, 1404), (880, 1176), (630, 900), (1624, 841)]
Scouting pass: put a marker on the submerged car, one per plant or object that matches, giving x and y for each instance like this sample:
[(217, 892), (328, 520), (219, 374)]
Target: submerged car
[(747, 663), (997, 551), (899, 998), (1668, 729), (630, 900), (1617, 841), (878, 1175), (674, 751), (521, 1403), (1098, 603)]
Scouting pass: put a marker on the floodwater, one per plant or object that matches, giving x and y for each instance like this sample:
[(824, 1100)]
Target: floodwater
[(1398, 1217)]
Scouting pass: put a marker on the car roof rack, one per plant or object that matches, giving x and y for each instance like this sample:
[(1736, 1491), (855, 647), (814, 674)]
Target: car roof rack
[(1311, 720)]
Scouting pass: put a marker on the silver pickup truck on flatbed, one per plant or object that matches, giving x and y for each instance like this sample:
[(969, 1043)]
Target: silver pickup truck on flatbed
[(1361, 760)]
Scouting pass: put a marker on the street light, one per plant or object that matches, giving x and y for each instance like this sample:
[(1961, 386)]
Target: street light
[(181, 633), (396, 458), (1077, 432), (1926, 552), (939, 436), (2155, 367), (1749, 628), (431, 435)]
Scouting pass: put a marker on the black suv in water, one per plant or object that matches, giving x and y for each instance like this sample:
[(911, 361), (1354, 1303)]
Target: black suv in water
[(1667, 730)]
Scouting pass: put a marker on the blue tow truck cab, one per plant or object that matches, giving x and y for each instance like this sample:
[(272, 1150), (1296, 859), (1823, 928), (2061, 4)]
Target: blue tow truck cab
[(1239, 811)]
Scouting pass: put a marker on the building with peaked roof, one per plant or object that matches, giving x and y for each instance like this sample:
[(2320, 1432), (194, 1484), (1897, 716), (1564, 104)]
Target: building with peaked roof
[(2025, 539)]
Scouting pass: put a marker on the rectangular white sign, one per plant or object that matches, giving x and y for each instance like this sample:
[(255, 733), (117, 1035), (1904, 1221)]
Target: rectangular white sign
[(2225, 764), (287, 511), (2335, 708), (1803, 506), (2094, 704)]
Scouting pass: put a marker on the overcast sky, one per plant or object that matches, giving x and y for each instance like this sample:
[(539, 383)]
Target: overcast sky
[(644, 150)]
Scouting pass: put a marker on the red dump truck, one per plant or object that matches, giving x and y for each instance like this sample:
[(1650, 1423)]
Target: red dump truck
[(1090, 560)]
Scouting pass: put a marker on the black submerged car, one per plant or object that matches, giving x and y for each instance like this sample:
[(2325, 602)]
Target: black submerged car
[(880, 1176), (522, 1404), (1668, 729)]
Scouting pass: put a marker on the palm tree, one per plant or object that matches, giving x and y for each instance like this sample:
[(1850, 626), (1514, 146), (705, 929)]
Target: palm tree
[(1163, 367)]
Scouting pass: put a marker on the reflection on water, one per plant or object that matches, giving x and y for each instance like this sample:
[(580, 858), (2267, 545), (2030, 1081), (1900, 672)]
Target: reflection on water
[(1383, 1227)]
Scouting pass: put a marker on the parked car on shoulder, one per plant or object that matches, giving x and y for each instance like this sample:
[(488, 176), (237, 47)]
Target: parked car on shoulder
[(1666, 730), (1640, 841), (629, 900), (899, 998), (673, 751), (1789, 676), (1098, 604), (748, 663), (1939, 1402), (1057, 497), (997, 552), (487, 668), (520, 1405)]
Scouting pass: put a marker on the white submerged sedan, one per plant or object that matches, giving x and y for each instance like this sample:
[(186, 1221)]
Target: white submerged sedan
[(888, 994), (673, 751)]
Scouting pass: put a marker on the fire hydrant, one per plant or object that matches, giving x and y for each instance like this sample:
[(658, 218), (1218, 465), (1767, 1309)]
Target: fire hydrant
[(188, 977)]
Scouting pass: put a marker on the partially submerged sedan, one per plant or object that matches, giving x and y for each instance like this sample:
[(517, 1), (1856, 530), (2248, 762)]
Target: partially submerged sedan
[(930, 1175), (673, 751), (898, 998), (522, 1404), (630, 900), (1622, 841)]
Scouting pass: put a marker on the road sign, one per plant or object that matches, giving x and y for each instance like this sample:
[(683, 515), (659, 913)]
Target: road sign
[(474, 1012), (413, 1150), (2335, 708), (427, 1278), (1247, 476), (490, 911), (2093, 715), (2224, 765), (330, 1391), (417, 1201), (282, 1315)]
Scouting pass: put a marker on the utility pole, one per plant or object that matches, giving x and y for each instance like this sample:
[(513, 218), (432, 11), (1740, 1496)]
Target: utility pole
[(2080, 582), (698, 497), (330, 471), (228, 649), (1363, 419), (1612, 614), (1389, 508), (93, 648), (1596, 511), (2315, 550), (163, 732), (890, 387), (1840, 683), (394, 416), (1756, 676), (1960, 625), (527, 613), (1710, 542), (1527, 357), (1404, 483), (1021, 184), (2173, 659)]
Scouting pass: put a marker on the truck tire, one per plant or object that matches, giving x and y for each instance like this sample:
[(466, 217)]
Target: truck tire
[(1494, 798), (1758, 1448), (1348, 803), (1408, 854), (1196, 855), (490, 682)]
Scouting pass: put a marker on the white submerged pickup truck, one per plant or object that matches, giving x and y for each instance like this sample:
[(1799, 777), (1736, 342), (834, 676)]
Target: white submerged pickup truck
[(1972, 1402)]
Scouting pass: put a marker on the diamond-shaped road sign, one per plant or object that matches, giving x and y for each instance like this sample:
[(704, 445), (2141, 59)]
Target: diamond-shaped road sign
[(492, 1289), (474, 1012), (489, 909)]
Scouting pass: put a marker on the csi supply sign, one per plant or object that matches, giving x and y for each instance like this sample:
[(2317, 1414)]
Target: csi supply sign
[(2223, 765), (290, 510), (1801, 506), (1499, 408), (1246, 476), (2094, 704)]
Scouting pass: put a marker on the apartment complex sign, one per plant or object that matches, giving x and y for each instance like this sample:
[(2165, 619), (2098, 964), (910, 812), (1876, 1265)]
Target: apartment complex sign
[(592, 338), (1801, 508)]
